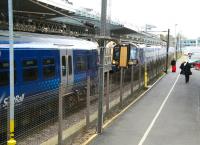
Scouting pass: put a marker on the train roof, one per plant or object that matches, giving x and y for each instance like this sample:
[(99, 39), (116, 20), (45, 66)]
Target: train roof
[(124, 42), (33, 40)]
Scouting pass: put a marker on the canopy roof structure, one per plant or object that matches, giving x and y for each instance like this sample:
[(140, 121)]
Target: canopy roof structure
[(47, 16), (37, 12), (35, 9)]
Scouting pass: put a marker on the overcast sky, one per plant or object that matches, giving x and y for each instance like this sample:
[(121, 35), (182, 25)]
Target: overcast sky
[(163, 14)]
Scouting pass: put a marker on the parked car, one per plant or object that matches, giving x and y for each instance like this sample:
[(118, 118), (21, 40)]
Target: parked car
[(194, 60), (196, 65)]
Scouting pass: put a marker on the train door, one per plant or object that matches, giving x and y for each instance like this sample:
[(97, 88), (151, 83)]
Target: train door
[(66, 66), (70, 66)]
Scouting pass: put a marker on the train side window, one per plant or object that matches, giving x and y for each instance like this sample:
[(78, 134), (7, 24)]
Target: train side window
[(4, 78), (49, 68), (64, 66), (4, 65), (70, 64), (4, 73), (81, 63), (30, 70), (91, 61)]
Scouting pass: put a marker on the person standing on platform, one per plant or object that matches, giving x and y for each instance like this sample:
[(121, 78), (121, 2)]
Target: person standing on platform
[(173, 64), (185, 70)]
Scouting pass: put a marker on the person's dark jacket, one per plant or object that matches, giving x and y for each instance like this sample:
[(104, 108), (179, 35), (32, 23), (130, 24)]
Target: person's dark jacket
[(182, 68), (187, 68)]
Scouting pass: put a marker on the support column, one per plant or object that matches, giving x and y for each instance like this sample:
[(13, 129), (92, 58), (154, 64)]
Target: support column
[(101, 66), (107, 93)]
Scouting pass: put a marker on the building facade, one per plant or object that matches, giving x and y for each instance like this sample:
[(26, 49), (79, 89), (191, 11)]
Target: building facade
[(190, 42)]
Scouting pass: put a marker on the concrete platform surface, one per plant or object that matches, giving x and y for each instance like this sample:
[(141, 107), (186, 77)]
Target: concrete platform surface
[(167, 115)]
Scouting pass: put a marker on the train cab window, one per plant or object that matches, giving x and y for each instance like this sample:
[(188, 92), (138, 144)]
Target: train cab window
[(64, 67), (116, 53), (70, 64), (133, 53), (30, 70), (81, 64), (4, 73), (49, 68)]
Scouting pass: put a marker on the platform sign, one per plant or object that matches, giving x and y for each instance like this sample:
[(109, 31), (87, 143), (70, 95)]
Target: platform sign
[(123, 62)]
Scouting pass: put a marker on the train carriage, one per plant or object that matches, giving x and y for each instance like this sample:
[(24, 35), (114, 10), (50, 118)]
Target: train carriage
[(143, 53), (41, 64)]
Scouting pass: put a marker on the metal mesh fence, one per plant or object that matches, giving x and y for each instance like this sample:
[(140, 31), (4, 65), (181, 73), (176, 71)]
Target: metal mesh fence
[(35, 113), (37, 119)]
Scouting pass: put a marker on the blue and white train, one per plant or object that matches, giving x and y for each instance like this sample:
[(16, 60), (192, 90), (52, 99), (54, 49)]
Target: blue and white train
[(141, 53), (42, 62)]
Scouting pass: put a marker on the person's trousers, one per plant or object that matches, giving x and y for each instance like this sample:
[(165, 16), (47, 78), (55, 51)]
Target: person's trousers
[(187, 77)]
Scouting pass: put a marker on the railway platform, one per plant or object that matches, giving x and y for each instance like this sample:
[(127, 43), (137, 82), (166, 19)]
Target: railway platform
[(168, 114)]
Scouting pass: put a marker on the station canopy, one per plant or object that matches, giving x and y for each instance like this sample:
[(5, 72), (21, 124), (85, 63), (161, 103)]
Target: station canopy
[(63, 13)]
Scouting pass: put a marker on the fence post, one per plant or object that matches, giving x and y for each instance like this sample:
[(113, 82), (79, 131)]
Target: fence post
[(156, 67), (145, 75), (88, 103), (107, 93), (140, 71), (60, 117), (132, 79), (8, 121), (121, 81)]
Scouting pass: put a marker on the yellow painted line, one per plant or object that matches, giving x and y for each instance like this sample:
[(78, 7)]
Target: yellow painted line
[(90, 139), (116, 116)]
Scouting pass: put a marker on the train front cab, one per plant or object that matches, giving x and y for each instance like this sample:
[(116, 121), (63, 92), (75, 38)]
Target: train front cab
[(132, 55)]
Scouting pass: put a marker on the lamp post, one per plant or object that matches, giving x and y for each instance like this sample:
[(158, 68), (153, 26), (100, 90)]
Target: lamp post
[(175, 41), (180, 43), (101, 66), (166, 68)]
